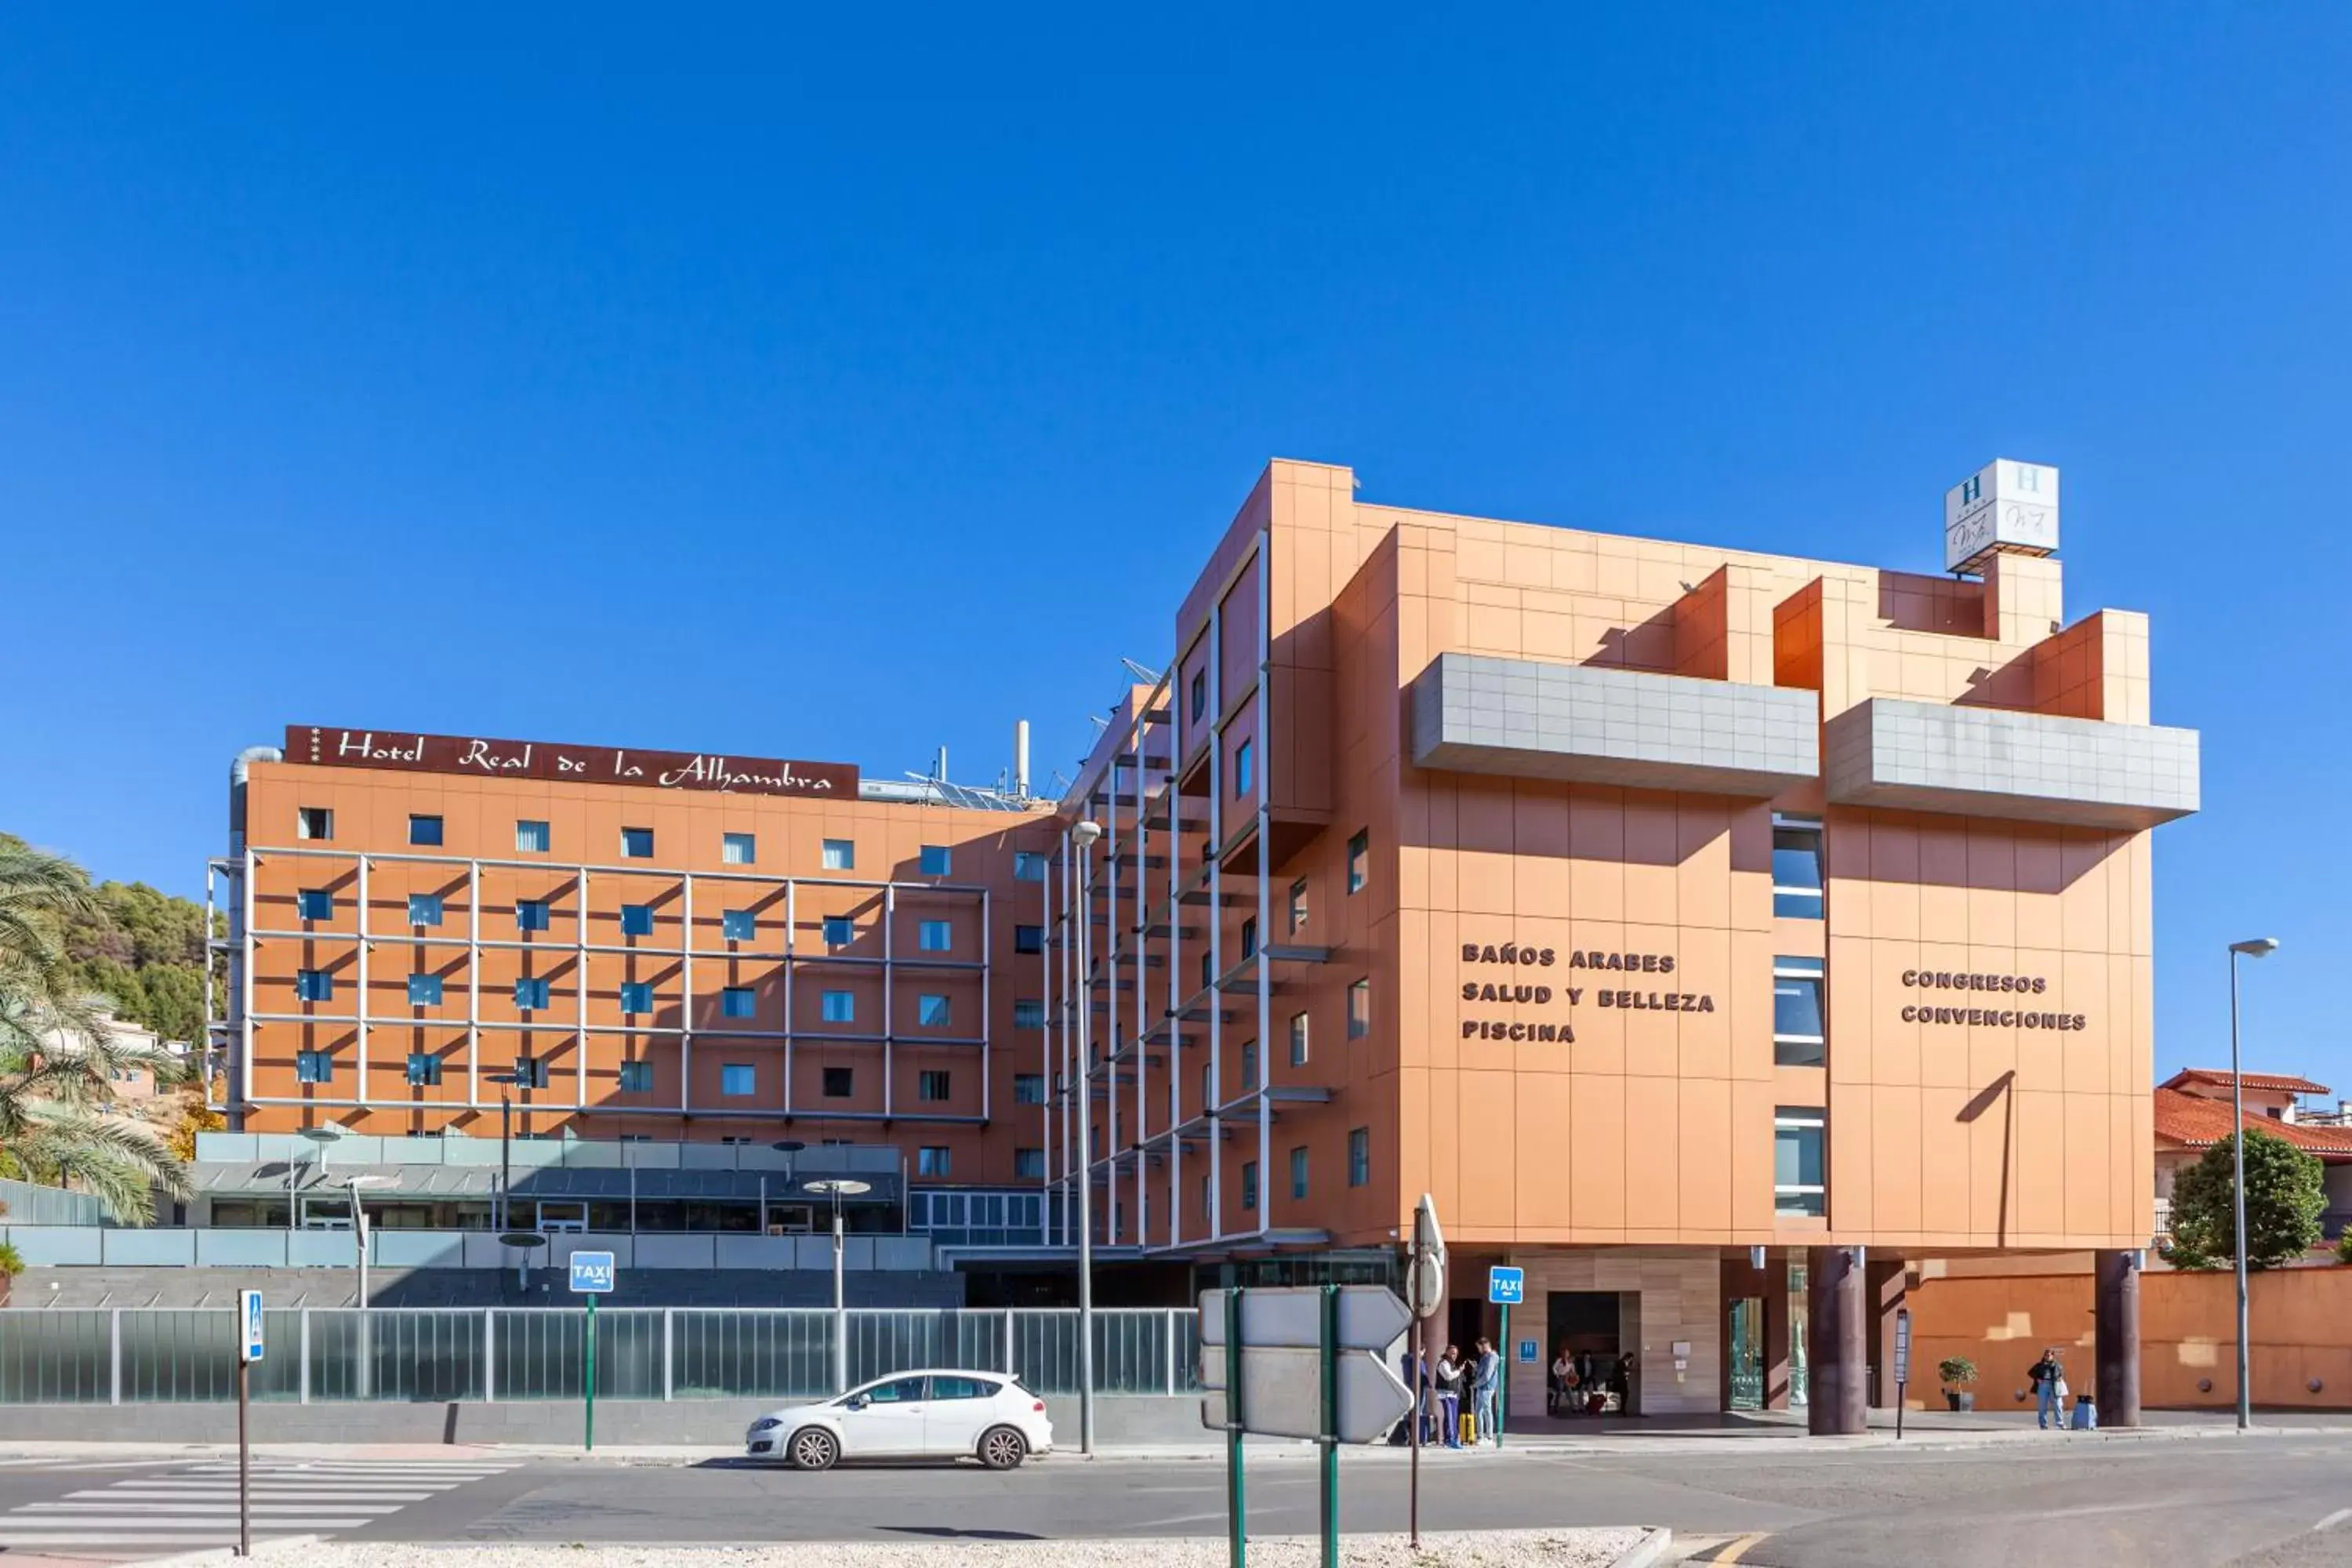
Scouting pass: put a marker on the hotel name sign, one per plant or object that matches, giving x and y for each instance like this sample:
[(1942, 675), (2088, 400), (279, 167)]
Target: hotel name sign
[(404, 752)]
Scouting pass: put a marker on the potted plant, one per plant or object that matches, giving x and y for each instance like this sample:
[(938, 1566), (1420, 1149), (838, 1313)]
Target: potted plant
[(1957, 1372), (12, 1263)]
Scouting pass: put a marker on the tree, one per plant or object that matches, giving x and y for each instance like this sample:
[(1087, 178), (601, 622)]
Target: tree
[(140, 949), (2284, 1195)]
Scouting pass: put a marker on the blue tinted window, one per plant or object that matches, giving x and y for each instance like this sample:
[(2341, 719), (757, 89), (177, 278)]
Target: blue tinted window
[(530, 914), (737, 925), (637, 843), (735, 1002), (840, 1007), (425, 831), (636, 1078), (840, 931), (424, 990), (636, 997), (424, 1068), (532, 837), (531, 993), (636, 919), (314, 985), (737, 1077), (936, 860), (424, 909), (313, 1067), (315, 904)]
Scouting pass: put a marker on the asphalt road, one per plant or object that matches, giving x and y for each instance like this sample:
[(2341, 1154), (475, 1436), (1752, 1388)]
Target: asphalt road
[(2274, 1500)]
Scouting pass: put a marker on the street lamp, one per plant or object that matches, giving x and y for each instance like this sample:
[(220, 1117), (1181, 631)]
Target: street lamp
[(351, 1185), (840, 1187), (505, 1080), (2256, 947), (787, 1147), (325, 1136), (1084, 835)]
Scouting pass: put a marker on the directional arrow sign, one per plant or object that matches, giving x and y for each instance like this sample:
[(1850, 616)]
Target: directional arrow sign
[(1283, 1394), (1371, 1318)]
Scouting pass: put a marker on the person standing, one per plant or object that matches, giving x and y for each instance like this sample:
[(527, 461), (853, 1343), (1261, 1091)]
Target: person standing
[(2046, 1379), (1485, 1384), (1449, 1395), (1563, 1382)]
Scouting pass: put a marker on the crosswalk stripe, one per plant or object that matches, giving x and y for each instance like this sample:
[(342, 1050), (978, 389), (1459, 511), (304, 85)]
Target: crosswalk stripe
[(225, 1506), (314, 1494), (141, 1528), (87, 1538)]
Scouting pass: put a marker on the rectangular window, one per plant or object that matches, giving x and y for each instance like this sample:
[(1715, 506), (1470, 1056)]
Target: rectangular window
[(314, 822), (425, 831), (1798, 1172), (529, 1072), (1242, 769), (531, 992), (423, 1068), (1298, 1040), (424, 909), (636, 919), (737, 1078), (314, 904), (636, 997), (1359, 1156), (840, 854), (1028, 865), (935, 859), (1249, 1063), (840, 931), (935, 936), (1298, 906), (530, 914), (425, 991), (313, 985), (1028, 1089), (1249, 938), (931, 1012), (637, 1078), (532, 837), (1797, 871), (1799, 1037), (1208, 1203), (1360, 1009), (1249, 1185), (840, 1083), (636, 844), (840, 1007), (1208, 1088), (738, 848), (1200, 694), (932, 1085), (1028, 939), (931, 1161), (737, 925), (1028, 1013), (735, 1002), (1029, 1164), (1298, 1171), (1359, 860), (313, 1067)]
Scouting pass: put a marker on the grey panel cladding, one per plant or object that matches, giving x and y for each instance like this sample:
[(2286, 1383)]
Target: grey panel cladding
[(1590, 724), (1991, 761)]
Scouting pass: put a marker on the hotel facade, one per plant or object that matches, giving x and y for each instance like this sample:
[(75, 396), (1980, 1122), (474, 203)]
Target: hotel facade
[(1714, 935)]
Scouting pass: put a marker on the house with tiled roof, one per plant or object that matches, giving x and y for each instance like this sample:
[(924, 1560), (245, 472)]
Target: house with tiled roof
[(2192, 1114)]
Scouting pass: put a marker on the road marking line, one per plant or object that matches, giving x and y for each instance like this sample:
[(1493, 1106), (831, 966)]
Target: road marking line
[(2332, 1521), (1738, 1549), (199, 1512)]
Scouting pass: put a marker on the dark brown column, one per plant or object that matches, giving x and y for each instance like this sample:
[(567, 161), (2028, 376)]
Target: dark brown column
[(1837, 1343), (2116, 1330), (1883, 1280), (1776, 1331)]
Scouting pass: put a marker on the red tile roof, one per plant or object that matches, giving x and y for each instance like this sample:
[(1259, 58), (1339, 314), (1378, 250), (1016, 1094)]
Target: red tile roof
[(2266, 1083), (2199, 1123)]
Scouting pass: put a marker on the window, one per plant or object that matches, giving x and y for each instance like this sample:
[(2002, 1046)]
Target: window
[(737, 1078), (532, 837), (737, 925), (735, 1002), (1028, 1013), (636, 919), (932, 1085), (425, 831), (1028, 1089), (1249, 1062), (1359, 860), (735, 1143), (1029, 1164), (1797, 1168), (1208, 1204), (935, 859), (738, 848), (1360, 1009), (424, 909), (1298, 1171), (1797, 1036), (1028, 939), (636, 997), (636, 842), (840, 1083), (1249, 1185), (962, 1388), (935, 936), (1028, 865), (840, 1007), (1298, 906), (930, 1161), (840, 854), (313, 985), (840, 931), (1209, 1100), (314, 822), (1359, 1156), (531, 993), (1242, 769), (529, 1072), (1205, 975), (636, 1078), (1797, 871), (314, 904), (1249, 938), (313, 1067), (1298, 1040), (425, 991), (423, 1068), (931, 1012), (530, 914)]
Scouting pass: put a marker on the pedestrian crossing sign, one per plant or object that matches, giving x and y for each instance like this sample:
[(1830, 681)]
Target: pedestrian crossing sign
[(248, 1321)]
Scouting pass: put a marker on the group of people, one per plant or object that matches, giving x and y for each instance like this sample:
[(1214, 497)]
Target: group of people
[(1456, 1397), (1583, 1382)]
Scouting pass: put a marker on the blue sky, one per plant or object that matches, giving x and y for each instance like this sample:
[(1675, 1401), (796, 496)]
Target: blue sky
[(583, 374)]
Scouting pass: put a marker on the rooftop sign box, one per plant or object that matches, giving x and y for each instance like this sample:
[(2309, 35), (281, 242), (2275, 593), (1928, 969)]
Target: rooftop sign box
[(2004, 506), (404, 752)]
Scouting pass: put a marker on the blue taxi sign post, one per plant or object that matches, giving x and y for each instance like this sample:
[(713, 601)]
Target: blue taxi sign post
[(592, 1276), (1506, 1287)]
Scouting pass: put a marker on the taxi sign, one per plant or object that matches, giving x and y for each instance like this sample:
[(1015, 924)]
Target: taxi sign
[(592, 1273)]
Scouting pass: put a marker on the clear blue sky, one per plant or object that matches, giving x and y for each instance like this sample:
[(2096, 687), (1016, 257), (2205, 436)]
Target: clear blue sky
[(595, 373)]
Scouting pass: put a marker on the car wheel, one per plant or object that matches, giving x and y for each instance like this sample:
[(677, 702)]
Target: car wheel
[(813, 1448), (1003, 1448)]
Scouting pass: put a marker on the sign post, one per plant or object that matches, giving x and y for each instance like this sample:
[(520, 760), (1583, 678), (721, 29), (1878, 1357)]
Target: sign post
[(592, 1276), (1506, 1287), (1424, 1281), (1902, 1363), (249, 1347), (1236, 1484)]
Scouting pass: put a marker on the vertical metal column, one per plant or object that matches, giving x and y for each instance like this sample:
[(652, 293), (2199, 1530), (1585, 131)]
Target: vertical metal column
[(987, 1017), (245, 896), (1140, 953), (685, 1000), (890, 991), (474, 986), (792, 1019), (580, 957), (114, 1356), (1214, 1102), (359, 1083), (1176, 1064), (1049, 1007), (1266, 898), (1110, 977)]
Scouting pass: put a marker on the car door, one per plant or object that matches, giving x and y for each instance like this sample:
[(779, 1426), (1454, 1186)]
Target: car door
[(888, 1421), (958, 1411)]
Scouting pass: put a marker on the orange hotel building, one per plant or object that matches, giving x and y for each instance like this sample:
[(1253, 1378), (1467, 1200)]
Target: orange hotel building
[(1687, 921)]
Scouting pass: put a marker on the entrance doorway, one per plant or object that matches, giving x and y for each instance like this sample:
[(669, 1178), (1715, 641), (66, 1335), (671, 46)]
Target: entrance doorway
[(1589, 1326), (1747, 1347)]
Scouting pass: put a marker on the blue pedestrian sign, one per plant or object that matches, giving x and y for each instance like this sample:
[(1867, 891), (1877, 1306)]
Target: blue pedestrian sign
[(1506, 1287), (592, 1273), (248, 1325)]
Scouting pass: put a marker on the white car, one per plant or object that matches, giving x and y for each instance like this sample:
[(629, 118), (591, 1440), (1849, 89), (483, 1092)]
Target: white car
[(942, 1414)]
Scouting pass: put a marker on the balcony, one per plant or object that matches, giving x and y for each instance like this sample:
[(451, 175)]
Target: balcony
[(2026, 768)]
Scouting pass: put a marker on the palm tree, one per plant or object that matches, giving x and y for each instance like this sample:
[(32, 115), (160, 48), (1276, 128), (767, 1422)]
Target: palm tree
[(59, 1061)]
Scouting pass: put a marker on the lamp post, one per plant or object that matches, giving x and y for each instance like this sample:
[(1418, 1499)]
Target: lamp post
[(505, 1080), (324, 1137), (787, 1147), (363, 1375), (840, 1188), (2255, 947), (1084, 835)]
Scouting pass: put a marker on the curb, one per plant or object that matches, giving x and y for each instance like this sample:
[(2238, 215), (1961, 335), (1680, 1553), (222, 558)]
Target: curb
[(1651, 1548), (274, 1547)]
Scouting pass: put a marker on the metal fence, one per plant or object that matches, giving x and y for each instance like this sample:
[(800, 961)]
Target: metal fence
[(321, 1355)]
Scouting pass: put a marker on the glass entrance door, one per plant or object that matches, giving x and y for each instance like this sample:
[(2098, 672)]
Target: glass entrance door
[(1797, 1319), (1747, 1354)]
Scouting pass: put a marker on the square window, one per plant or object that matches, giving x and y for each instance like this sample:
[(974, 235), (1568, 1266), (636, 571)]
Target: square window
[(425, 831), (737, 1078), (530, 914), (1298, 906), (532, 837), (1799, 1038), (931, 1012), (1797, 871), (313, 1067), (1360, 1009), (1298, 1040), (935, 859), (423, 1068), (931, 1086), (1359, 1156), (636, 842), (1028, 865), (840, 854), (840, 1006), (1200, 694), (738, 848), (1298, 1171), (736, 1002), (737, 925), (636, 1078), (1242, 769), (1029, 1164), (636, 997), (313, 985), (931, 1161), (1028, 1089), (636, 919), (840, 931), (1028, 939), (1798, 1175), (424, 909), (314, 904), (531, 992), (314, 822), (1359, 860), (425, 991), (1249, 1185), (840, 1083), (529, 1072), (935, 936), (1028, 1013)]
